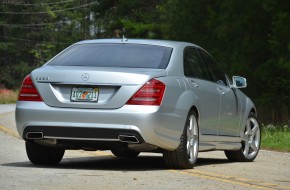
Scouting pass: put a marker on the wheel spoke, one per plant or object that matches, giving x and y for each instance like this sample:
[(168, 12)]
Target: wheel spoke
[(188, 147), (247, 149), (249, 126), (188, 133), (195, 138), (245, 138), (255, 129), (254, 147), (191, 152)]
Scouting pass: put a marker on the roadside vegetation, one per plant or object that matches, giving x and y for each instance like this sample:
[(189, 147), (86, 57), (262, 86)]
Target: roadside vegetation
[(8, 97), (276, 138)]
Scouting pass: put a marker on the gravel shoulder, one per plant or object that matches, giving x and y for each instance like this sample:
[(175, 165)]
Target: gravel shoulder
[(6, 108)]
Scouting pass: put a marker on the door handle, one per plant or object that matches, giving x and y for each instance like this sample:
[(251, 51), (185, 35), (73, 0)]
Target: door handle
[(222, 90), (195, 85)]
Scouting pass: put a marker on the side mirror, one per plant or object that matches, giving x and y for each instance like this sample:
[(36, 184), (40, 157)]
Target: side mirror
[(239, 82)]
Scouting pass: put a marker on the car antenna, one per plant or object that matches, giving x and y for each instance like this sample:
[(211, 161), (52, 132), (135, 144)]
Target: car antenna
[(124, 39)]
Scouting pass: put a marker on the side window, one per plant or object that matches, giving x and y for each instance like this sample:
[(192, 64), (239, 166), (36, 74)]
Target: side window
[(215, 71), (193, 65)]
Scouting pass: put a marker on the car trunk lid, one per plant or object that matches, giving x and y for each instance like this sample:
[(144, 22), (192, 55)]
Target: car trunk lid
[(113, 86)]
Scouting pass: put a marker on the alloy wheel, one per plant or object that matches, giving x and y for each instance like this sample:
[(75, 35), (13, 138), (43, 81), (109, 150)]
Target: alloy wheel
[(192, 139), (251, 138)]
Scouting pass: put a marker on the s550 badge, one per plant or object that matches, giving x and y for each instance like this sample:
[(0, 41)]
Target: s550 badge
[(42, 78)]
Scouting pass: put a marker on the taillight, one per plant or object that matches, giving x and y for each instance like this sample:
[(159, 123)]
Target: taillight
[(28, 92), (150, 94)]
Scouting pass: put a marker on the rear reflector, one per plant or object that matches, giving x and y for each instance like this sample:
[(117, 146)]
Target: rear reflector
[(28, 92), (150, 94)]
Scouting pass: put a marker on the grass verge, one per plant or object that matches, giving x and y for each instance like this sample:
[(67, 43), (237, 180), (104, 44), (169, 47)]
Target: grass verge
[(276, 138), (8, 97)]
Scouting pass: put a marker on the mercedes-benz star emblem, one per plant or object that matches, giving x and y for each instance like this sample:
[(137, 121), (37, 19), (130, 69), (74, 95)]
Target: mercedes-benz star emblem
[(85, 77)]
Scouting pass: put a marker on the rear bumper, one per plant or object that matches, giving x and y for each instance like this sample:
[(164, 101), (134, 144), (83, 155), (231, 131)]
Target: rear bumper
[(80, 133), (154, 125)]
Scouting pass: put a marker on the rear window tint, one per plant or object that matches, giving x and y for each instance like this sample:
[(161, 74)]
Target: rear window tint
[(114, 55)]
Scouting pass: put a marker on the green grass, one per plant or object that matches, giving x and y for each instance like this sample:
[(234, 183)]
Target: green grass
[(276, 138), (8, 98)]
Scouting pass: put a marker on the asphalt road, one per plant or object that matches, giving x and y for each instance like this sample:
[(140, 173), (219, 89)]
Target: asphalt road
[(101, 170)]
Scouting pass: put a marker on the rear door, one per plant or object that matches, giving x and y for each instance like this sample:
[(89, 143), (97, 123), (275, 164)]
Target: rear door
[(207, 95)]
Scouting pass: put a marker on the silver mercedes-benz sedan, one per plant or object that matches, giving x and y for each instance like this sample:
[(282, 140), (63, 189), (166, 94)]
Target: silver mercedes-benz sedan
[(131, 96)]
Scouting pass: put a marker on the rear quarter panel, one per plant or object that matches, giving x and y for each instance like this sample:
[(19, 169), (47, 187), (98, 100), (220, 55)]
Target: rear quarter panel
[(178, 98)]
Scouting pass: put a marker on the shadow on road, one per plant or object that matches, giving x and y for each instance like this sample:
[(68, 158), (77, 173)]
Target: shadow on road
[(141, 163)]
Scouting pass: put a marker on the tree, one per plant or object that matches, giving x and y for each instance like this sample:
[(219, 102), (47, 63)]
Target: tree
[(32, 33), (132, 18)]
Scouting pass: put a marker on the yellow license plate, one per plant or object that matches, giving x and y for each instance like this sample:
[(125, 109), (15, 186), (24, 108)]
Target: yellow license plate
[(84, 94)]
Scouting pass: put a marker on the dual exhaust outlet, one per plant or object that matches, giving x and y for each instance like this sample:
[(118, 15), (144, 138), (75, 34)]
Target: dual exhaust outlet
[(34, 135), (128, 138), (122, 138)]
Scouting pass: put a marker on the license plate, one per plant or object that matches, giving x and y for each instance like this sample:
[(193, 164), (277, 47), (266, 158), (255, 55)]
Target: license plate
[(84, 94)]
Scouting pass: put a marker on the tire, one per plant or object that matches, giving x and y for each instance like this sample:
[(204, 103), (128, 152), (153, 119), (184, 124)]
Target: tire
[(38, 154), (185, 156), (251, 142), (125, 153)]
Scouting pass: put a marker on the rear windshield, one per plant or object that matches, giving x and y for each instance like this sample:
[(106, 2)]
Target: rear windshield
[(114, 55)]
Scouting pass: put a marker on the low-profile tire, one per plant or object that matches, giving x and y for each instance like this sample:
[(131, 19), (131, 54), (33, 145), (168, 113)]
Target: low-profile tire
[(39, 154), (251, 141), (185, 156), (125, 153)]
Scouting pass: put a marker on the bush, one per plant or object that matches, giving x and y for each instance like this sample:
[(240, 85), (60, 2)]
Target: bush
[(276, 138), (8, 96)]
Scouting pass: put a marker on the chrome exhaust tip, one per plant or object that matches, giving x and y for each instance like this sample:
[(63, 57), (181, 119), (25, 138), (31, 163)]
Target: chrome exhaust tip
[(128, 138), (34, 135)]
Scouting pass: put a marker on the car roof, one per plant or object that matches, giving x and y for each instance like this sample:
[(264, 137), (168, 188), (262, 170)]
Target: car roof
[(166, 43)]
